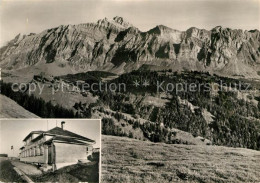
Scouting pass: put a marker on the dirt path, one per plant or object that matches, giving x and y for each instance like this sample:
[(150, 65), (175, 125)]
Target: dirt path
[(27, 168)]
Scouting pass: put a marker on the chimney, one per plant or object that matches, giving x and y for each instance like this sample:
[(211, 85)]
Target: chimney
[(63, 125)]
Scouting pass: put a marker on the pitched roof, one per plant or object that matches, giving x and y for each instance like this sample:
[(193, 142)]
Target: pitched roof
[(60, 132), (65, 140), (32, 132)]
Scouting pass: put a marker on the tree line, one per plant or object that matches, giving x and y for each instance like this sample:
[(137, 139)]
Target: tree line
[(36, 105), (235, 121)]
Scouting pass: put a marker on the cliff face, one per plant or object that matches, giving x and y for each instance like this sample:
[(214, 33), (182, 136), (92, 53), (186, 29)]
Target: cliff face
[(111, 44)]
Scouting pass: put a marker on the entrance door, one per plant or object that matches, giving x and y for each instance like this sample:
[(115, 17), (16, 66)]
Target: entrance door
[(50, 155)]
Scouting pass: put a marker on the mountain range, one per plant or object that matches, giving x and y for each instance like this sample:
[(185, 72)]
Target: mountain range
[(117, 46)]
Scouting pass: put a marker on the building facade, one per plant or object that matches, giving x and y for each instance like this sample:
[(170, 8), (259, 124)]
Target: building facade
[(56, 147)]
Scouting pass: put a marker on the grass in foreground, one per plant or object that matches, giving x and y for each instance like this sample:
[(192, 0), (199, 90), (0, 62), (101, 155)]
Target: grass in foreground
[(75, 173), (128, 160), (7, 173)]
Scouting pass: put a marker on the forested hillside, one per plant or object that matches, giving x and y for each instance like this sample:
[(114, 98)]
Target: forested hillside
[(221, 111), (36, 105), (225, 116)]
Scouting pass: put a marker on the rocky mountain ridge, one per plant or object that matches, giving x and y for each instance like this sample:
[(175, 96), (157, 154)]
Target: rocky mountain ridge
[(117, 46)]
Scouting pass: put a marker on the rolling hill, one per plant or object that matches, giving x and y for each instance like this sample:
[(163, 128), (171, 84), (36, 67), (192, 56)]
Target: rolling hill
[(10, 109), (129, 160)]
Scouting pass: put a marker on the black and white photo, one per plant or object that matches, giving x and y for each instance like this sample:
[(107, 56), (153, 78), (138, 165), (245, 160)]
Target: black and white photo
[(175, 83), (32, 149)]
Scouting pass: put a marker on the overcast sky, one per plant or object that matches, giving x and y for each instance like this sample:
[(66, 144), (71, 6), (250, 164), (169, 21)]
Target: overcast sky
[(23, 16), (12, 132)]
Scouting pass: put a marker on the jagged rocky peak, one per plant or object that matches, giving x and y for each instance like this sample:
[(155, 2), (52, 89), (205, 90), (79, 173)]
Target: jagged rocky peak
[(198, 33), (133, 30), (223, 31), (217, 28), (118, 19), (32, 34), (193, 31), (254, 30), (166, 34), (15, 41), (102, 21), (108, 43), (18, 38), (122, 22), (162, 29), (227, 31), (117, 22), (232, 34)]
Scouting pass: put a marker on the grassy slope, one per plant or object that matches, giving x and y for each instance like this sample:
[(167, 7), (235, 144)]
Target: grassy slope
[(74, 173), (7, 173), (128, 160), (10, 109)]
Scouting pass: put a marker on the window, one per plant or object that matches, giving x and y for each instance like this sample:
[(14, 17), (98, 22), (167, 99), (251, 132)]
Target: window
[(89, 149), (31, 152), (37, 151), (41, 150)]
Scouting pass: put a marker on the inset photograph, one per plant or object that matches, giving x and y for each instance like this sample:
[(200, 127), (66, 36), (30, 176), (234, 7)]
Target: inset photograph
[(50, 150)]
